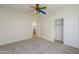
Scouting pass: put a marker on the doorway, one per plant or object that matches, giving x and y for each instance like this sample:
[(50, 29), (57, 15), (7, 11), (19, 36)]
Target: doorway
[(59, 30), (34, 34)]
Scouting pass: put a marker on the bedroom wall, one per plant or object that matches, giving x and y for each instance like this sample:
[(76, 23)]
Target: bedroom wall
[(14, 26), (70, 16)]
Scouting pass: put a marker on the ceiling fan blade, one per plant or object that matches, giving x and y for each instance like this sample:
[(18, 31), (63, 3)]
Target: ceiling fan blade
[(37, 13), (42, 12), (43, 7)]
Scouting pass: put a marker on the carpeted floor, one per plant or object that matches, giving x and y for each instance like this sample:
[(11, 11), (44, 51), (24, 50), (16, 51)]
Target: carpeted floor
[(37, 46)]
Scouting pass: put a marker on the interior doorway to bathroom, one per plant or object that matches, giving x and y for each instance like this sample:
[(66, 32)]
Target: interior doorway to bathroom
[(59, 30)]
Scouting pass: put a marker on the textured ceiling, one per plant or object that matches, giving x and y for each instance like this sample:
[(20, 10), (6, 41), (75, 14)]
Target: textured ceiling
[(26, 7)]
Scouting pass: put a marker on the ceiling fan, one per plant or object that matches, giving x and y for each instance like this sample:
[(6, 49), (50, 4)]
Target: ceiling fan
[(38, 9)]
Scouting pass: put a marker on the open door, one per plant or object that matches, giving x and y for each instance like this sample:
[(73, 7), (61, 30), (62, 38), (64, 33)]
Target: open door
[(59, 30)]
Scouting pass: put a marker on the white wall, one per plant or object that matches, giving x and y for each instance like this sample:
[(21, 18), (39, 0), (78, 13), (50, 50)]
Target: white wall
[(70, 16), (38, 26), (14, 26), (47, 27)]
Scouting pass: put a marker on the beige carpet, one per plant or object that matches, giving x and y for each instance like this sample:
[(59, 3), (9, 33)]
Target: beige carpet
[(37, 46)]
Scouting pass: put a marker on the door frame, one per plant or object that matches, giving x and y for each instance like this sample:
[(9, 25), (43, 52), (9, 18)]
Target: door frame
[(62, 29)]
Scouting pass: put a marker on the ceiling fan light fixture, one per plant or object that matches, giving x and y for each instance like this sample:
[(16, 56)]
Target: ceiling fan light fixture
[(35, 11), (38, 9)]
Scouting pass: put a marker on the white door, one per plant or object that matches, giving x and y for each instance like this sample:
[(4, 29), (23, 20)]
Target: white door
[(59, 29)]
